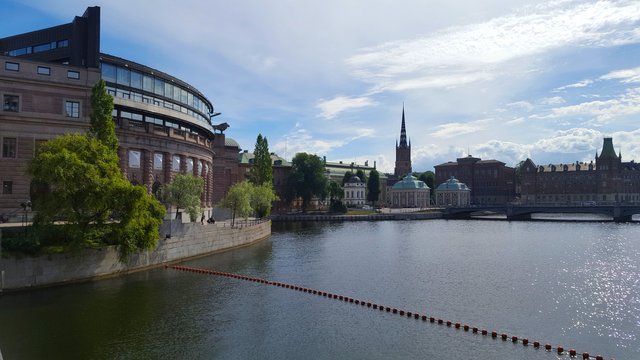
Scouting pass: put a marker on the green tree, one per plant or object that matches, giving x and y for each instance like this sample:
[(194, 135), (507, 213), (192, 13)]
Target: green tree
[(428, 177), (346, 177), (306, 179), (238, 200), (361, 175), (373, 186), (79, 181), (261, 172), (184, 192), (262, 197), (102, 126), (336, 193)]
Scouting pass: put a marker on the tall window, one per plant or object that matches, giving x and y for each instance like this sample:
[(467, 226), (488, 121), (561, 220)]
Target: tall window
[(134, 158), (175, 163), (10, 103), (72, 109), (189, 165), (7, 187), (157, 161), (9, 147)]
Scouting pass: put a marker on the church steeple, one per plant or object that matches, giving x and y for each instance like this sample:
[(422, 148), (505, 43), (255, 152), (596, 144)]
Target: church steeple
[(403, 132), (403, 151)]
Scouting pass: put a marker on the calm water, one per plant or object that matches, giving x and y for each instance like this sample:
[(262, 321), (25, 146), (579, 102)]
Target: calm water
[(573, 284)]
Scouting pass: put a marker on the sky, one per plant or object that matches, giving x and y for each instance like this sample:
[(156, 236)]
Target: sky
[(496, 79)]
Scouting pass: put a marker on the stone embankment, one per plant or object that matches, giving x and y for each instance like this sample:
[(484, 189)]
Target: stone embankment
[(179, 242), (370, 217)]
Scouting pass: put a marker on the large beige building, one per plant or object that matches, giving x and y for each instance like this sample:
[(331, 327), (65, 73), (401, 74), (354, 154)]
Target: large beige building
[(163, 123)]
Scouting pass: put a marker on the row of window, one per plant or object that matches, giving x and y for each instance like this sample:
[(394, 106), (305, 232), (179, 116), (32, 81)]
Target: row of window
[(11, 103), (135, 157), (42, 70), (135, 96), (137, 80), (9, 145), (152, 120), (38, 48)]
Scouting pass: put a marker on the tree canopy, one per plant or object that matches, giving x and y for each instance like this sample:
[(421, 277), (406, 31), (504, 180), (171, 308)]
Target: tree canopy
[(360, 174), (184, 192), (245, 198), (347, 175), (79, 181), (428, 178), (336, 193), (373, 186), (306, 179), (261, 172)]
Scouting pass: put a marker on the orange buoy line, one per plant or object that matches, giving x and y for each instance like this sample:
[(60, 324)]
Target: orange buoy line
[(408, 314)]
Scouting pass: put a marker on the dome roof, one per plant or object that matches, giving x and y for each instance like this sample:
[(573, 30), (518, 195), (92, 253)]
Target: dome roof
[(410, 182), (354, 179), (230, 142), (453, 184)]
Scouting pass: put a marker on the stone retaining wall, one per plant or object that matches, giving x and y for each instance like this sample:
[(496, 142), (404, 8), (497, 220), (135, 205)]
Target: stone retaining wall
[(186, 241)]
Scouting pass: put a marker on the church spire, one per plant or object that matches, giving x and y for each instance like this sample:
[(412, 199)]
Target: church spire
[(403, 132)]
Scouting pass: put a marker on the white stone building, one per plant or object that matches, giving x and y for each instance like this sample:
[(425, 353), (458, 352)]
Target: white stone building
[(354, 192), (453, 193)]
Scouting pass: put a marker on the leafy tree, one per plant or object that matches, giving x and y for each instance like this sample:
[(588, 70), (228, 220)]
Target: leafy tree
[(361, 175), (238, 200), (346, 177), (102, 126), (373, 186), (184, 192), (336, 193), (261, 172), (262, 196), (307, 178), (428, 177), (79, 181)]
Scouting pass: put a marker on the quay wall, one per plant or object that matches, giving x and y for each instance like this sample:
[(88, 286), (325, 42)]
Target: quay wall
[(371, 217), (178, 242)]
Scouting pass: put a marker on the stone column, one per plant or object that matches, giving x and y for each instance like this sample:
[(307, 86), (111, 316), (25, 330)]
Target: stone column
[(147, 169), (123, 159), (167, 167)]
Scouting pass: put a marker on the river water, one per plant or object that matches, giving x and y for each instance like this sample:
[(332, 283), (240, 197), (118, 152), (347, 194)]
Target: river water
[(574, 284)]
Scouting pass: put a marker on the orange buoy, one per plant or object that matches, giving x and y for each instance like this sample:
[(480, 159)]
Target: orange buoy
[(409, 314), (395, 311), (401, 312), (466, 327), (416, 316), (375, 306), (335, 296), (494, 334), (572, 352), (388, 309), (475, 330), (536, 344), (357, 302), (585, 355), (599, 357), (431, 319), (504, 336), (525, 341), (514, 339), (440, 321), (448, 323), (457, 325), (547, 346), (424, 317), (484, 331), (560, 349)]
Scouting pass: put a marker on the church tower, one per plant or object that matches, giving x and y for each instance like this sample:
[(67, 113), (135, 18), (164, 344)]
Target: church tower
[(403, 152)]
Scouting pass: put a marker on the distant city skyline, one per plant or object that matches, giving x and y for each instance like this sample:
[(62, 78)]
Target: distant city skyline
[(499, 79)]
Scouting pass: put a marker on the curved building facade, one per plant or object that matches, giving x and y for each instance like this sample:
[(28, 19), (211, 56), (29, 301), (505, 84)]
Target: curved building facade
[(46, 76)]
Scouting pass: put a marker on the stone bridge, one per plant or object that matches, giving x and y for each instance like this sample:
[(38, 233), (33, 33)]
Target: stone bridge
[(618, 212)]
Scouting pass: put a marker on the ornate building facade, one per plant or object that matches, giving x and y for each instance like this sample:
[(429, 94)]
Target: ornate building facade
[(604, 181), (453, 193), (491, 182), (410, 193), (354, 192), (163, 123)]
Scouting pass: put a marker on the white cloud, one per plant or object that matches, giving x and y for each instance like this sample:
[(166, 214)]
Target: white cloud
[(331, 108), (627, 75), (579, 84), (569, 141), (555, 100), (508, 152), (602, 111), (524, 105), (456, 129), (483, 47)]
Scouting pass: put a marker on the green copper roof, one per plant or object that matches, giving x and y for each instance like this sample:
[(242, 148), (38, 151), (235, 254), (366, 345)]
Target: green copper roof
[(410, 182), (453, 184), (607, 149)]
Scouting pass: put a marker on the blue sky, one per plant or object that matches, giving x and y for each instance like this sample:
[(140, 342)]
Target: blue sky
[(500, 79)]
